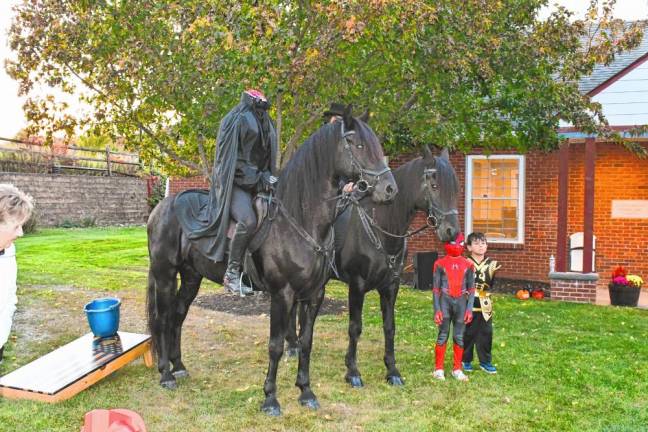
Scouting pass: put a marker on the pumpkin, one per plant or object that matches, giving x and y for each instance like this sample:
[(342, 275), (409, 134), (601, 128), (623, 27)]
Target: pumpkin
[(538, 294), (522, 294)]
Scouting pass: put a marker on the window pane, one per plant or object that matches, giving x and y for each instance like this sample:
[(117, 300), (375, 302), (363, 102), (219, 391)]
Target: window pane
[(495, 197)]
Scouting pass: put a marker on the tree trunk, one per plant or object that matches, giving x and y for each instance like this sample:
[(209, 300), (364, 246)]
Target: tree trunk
[(291, 146), (203, 157), (279, 126)]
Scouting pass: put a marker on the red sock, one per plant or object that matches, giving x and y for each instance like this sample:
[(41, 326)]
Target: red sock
[(439, 355), (458, 355)]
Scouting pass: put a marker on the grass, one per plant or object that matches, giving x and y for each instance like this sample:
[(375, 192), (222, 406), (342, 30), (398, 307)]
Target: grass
[(97, 258), (561, 366)]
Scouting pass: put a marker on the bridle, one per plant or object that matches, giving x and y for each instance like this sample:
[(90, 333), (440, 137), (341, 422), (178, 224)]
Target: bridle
[(435, 215), (362, 184)]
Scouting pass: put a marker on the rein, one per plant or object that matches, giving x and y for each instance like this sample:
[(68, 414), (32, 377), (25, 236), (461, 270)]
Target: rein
[(434, 218), (368, 223), (327, 250)]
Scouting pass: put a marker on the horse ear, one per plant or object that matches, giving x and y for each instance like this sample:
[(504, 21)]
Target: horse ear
[(365, 116), (445, 154), (347, 117)]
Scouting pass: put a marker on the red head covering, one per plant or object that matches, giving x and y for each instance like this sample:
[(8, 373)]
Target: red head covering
[(456, 247), (256, 94)]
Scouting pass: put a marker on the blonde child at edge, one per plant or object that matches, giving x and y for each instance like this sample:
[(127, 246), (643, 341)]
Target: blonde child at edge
[(15, 209)]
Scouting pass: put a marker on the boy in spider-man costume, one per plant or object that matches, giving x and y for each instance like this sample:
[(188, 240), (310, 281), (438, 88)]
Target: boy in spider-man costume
[(453, 289)]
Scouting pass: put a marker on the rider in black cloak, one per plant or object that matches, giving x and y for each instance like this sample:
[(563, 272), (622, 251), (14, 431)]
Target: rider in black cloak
[(245, 164)]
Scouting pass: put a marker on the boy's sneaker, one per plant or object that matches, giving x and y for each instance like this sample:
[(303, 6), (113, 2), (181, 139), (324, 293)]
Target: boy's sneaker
[(439, 375), (467, 367), (459, 375), (488, 368)]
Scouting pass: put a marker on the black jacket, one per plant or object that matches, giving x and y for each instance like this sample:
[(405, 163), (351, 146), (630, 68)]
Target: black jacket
[(242, 133)]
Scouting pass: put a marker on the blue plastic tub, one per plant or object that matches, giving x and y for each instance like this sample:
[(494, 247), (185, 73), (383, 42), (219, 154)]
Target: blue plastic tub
[(103, 316)]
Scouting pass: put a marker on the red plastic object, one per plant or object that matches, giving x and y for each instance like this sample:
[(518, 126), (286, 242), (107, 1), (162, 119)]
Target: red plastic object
[(538, 294), (115, 420)]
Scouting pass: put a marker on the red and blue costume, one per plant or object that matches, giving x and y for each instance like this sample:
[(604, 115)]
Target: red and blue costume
[(453, 289)]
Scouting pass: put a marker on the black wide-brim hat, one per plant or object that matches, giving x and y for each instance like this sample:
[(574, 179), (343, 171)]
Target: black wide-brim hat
[(336, 109)]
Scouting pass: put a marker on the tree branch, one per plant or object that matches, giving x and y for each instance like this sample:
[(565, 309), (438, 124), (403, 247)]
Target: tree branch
[(409, 103), (203, 156), (159, 144), (299, 130)]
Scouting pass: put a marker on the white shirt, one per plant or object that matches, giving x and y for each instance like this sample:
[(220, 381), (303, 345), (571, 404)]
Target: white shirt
[(8, 298)]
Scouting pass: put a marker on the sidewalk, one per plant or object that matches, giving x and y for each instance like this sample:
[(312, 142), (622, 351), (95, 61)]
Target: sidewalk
[(603, 297)]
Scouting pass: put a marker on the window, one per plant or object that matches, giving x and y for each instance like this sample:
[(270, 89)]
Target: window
[(495, 197)]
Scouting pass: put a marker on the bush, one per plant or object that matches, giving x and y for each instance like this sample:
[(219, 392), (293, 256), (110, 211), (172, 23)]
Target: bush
[(31, 225), (86, 222), (157, 191)]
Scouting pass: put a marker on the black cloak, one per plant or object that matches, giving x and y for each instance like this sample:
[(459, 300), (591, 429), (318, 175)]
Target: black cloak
[(205, 216)]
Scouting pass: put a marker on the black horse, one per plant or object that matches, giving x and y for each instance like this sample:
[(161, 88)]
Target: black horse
[(293, 262), (371, 248)]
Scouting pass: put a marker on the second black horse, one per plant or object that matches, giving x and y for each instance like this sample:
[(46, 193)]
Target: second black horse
[(371, 248)]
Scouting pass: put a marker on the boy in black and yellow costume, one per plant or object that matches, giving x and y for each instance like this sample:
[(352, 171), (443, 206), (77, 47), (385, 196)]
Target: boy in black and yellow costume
[(479, 333)]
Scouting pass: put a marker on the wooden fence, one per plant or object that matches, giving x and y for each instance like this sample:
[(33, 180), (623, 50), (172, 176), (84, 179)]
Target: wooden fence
[(23, 156)]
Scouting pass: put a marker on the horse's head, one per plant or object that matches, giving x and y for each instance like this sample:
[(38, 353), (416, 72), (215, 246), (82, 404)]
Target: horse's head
[(360, 157), (438, 194)]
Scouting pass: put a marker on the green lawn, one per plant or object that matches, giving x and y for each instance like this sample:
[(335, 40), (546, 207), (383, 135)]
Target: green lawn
[(97, 258), (561, 366)]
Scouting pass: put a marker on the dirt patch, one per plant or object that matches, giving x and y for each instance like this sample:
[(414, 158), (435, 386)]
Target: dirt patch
[(258, 304)]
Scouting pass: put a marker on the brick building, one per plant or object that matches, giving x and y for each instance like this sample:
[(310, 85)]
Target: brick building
[(523, 234)]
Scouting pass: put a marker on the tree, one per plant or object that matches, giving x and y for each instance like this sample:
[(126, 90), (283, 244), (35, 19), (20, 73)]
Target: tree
[(162, 73)]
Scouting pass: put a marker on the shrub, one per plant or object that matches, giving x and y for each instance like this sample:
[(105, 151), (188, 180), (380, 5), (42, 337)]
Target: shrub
[(158, 188), (86, 222), (31, 225)]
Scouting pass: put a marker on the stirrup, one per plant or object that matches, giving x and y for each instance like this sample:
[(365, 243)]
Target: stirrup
[(233, 282)]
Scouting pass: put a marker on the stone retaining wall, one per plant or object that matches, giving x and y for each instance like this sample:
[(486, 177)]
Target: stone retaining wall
[(69, 198)]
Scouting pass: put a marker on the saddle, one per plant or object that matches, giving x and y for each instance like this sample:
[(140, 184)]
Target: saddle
[(265, 207), (191, 205)]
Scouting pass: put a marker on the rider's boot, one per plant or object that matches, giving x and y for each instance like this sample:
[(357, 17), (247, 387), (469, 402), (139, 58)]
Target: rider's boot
[(232, 280)]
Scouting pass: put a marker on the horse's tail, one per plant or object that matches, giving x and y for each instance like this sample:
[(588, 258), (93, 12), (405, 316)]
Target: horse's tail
[(153, 230), (151, 313)]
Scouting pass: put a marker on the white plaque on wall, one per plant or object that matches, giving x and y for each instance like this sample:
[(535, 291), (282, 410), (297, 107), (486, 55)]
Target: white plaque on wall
[(630, 209)]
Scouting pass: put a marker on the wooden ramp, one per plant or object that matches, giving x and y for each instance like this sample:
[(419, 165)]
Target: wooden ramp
[(74, 367)]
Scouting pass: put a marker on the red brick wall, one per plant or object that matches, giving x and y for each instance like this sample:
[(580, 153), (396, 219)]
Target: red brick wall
[(178, 184), (577, 291), (619, 175)]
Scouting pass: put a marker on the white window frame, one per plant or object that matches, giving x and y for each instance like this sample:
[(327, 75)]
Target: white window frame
[(521, 195)]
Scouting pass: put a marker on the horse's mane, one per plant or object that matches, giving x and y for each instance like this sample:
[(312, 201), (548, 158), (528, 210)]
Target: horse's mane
[(300, 181)]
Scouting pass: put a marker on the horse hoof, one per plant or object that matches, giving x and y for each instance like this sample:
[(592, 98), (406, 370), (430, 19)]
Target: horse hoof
[(395, 381), (355, 381), (169, 384), (293, 352), (310, 403), (182, 373), (271, 409)]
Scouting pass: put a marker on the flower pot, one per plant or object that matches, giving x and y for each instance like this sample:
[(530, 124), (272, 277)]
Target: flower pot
[(624, 295)]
